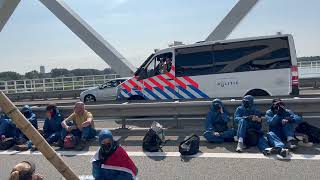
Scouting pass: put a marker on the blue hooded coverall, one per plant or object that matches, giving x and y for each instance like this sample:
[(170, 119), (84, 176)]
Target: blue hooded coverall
[(52, 128), (279, 131), (218, 122), (244, 123), (7, 127), (31, 117), (117, 166)]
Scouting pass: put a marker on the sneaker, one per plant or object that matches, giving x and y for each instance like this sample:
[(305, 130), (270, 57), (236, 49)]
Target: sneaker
[(271, 151), (21, 147), (283, 153), (240, 147), (292, 144), (60, 143)]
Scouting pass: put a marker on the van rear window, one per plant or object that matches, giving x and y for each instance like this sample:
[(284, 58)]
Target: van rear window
[(254, 55)]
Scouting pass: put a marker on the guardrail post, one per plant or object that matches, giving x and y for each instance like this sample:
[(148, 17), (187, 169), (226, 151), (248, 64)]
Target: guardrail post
[(6, 86), (176, 118), (15, 86), (123, 123), (44, 85)]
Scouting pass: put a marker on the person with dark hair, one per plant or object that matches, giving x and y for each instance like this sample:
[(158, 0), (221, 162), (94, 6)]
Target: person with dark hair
[(52, 124), (24, 171), (32, 118), (7, 131), (168, 64), (281, 121), (111, 161), (217, 130)]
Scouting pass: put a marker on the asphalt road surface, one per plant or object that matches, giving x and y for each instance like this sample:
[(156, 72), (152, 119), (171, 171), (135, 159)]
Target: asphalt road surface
[(216, 161)]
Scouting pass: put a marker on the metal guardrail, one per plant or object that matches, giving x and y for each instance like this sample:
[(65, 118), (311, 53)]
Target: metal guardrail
[(54, 84), (310, 82), (181, 109), (309, 69)]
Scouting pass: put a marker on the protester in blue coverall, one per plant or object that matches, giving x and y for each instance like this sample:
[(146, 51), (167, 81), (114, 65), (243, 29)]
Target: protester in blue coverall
[(281, 123), (111, 161), (248, 117), (32, 118), (217, 130), (7, 127), (52, 125)]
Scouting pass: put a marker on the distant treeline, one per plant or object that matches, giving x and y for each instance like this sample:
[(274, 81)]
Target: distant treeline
[(10, 75), (309, 58)]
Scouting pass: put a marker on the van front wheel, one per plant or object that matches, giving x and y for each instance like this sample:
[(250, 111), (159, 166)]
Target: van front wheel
[(136, 98)]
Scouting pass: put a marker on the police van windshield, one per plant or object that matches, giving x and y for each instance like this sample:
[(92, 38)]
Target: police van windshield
[(144, 63)]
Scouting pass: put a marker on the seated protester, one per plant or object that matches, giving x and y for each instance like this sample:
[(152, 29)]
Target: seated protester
[(7, 132), (24, 171), (217, 130), (79, 123), (32, 118), (52, 125), (248, 119), (281, 121), (111, 161)]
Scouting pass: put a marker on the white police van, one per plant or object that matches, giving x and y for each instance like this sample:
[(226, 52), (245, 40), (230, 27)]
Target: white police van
[(259, 66)]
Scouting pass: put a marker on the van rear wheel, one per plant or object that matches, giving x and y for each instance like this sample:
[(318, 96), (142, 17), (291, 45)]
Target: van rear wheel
[(257, 92)]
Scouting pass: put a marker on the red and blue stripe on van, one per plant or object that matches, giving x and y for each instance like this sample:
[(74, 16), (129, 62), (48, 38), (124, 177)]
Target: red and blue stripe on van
[(162, 87)]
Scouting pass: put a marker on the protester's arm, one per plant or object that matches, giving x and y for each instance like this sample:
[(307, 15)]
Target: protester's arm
[(294, 118), (3, 127), (68, 119), (33, 120), (238, 115), (89, 120), (46, 127), (272, 119), (58, 119), (96, 169), (209, 122), (225, 116)]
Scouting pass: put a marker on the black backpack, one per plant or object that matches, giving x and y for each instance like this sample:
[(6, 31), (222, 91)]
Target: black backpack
[(152, 142), (252, 137), (312, 132), (190, 146), (6, 144)]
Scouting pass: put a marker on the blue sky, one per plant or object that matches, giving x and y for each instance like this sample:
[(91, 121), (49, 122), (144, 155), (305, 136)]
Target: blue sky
[(34, 36)]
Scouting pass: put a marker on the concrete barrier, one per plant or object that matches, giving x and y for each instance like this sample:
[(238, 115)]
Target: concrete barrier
[(181, 109)]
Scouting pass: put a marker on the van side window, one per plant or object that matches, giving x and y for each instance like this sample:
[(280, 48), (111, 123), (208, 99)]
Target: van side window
[(252, 56), (194, 61)]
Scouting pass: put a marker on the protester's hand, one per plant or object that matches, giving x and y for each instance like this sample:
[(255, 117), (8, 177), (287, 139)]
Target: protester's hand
[(37, 177), (285, 121), (69, 128), (216, 134), (3, 137), (86, 124), (257, 119)]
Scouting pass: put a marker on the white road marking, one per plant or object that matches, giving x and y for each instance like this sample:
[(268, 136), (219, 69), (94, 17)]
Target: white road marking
[(174, 154)]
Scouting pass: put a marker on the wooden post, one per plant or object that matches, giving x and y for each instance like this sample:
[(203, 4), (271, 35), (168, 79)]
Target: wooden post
[(26, 127)]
